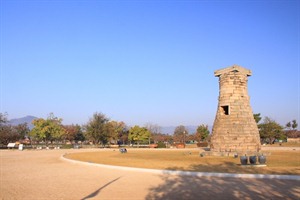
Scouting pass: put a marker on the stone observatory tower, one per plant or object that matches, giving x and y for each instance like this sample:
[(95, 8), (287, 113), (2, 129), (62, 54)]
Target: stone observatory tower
[(234, 129)]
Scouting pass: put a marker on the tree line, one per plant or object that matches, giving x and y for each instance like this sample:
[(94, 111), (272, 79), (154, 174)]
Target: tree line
[(100, 130)]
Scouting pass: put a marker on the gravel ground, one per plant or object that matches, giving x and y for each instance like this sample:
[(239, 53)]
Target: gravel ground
[(42, 174)]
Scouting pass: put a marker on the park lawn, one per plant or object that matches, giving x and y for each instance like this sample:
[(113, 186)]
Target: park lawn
[(278, 162)]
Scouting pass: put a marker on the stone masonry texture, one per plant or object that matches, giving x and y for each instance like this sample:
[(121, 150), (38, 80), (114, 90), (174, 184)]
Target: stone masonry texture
[(234, 129)]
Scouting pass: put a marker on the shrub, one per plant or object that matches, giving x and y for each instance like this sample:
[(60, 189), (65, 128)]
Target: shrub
[(161, 145), (153, 145), (202, 144), (67, 146)]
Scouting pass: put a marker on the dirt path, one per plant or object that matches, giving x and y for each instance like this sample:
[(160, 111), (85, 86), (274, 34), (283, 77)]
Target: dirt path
[(43, 175)]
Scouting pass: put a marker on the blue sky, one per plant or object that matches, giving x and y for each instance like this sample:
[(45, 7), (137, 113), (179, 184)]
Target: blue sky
[(146, 61)]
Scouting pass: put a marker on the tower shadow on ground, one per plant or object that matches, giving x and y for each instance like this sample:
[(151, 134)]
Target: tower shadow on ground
[(191, 187)]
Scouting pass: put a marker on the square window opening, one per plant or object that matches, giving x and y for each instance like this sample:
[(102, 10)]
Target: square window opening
[(225, 110)]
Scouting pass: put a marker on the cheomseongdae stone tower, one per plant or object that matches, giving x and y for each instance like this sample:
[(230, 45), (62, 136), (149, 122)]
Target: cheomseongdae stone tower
[(234, 129)]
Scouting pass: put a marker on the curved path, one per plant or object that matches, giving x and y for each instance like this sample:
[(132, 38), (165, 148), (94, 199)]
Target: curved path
[(43, 175)]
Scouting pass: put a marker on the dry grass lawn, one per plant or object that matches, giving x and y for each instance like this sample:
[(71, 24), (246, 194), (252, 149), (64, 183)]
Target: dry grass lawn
[(285, 144), (279, 162)]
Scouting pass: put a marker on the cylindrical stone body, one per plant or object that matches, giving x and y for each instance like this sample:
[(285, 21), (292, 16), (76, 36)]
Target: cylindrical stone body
[(234, 129)]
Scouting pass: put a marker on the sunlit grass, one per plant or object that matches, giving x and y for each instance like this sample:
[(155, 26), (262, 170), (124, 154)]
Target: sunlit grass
[(279, 162)]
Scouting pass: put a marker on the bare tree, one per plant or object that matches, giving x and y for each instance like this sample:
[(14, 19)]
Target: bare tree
[(180, 134), (153, 129)]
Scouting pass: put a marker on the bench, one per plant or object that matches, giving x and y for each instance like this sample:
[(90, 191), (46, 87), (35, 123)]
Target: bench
[(11, 145)]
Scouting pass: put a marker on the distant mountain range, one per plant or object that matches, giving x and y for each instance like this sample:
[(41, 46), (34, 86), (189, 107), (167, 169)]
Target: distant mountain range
[(27, 119)]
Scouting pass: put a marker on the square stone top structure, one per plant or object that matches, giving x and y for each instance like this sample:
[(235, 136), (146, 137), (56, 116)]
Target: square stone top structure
[(234, 68), (234, 129)]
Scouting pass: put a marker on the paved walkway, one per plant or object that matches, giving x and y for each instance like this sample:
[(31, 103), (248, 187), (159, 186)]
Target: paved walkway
[(44, 175)]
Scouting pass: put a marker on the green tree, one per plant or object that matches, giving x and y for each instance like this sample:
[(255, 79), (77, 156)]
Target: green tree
[(138, 134), (294, 124), (56, 128), (96, 130), (289, 125), (292, 129), (79, 136), (270, 130), (116, 130), (47, 130), (40, 131), (202, 132), (257, 117), (180, 134)]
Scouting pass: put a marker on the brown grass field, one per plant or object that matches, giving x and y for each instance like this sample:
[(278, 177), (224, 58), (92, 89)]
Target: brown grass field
[(278, 162)]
